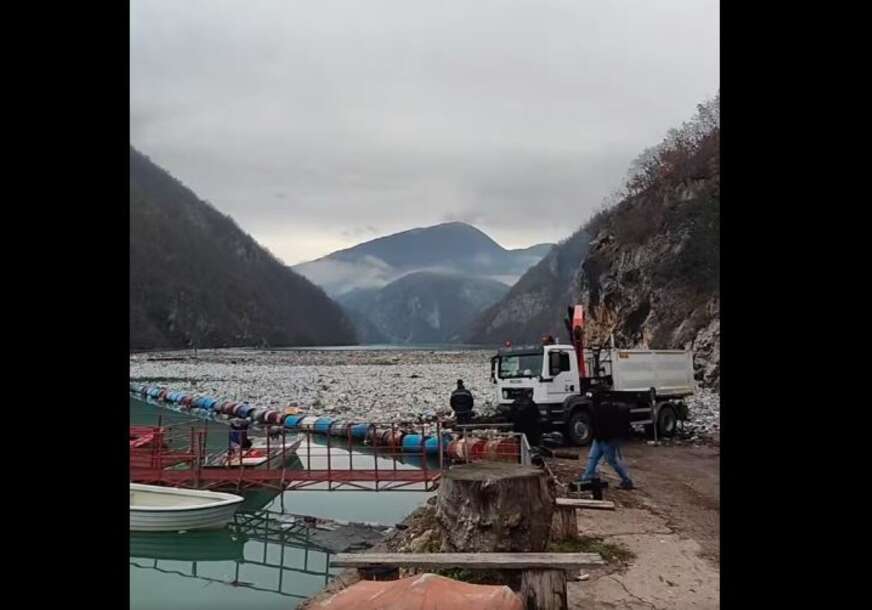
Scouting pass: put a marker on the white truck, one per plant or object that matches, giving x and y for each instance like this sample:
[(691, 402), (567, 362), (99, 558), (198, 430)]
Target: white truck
[(564, 386)]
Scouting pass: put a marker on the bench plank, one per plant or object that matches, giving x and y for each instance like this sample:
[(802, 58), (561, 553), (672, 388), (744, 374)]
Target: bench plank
[(484, 561), (583, 503)]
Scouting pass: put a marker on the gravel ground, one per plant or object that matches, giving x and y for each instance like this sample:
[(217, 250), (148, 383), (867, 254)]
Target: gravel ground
[(352, 383)]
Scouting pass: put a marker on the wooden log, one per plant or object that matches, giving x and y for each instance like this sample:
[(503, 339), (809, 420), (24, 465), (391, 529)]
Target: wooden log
[(482, 561), (565, 526), (544, 589), (494, 507), (584, 503)]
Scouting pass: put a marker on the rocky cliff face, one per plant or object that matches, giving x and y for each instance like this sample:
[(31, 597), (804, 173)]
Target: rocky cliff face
[(651, 275)]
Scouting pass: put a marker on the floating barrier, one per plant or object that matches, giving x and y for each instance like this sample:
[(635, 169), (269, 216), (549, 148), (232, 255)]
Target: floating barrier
[(293, 421), (322, 425), (308, 421), (359, 431), (476, 449), (340, 428), (412, 443), (459, 449), (290, 417)]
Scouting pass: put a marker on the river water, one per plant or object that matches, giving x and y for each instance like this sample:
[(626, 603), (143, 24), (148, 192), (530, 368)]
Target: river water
[(229, 569)]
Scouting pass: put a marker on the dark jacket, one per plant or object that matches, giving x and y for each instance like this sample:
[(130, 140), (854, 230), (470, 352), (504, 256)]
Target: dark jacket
[(525, 417), (610, 421), (461, 400)]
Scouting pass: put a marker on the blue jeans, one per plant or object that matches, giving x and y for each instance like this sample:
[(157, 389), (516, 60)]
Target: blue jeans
[(609, 450)]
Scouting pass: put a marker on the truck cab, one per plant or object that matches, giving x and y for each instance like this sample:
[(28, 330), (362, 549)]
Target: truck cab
[(546, 373)]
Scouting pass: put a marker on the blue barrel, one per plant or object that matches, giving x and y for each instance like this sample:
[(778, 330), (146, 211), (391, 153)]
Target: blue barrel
[(322, 425), (431, 445), (359, 431), (209, 403), (244, 410), (293, 421), (412, 443)]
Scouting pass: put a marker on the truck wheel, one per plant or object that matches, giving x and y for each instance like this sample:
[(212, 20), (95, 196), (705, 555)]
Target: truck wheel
[(578, 429), (667, 421)]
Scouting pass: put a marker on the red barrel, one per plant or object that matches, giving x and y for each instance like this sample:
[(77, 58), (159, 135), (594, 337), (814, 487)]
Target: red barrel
[(476, 449), (490, 450), (507, 450), (396, 439)]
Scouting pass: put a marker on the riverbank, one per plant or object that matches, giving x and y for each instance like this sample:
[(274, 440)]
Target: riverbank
[(665, 535)]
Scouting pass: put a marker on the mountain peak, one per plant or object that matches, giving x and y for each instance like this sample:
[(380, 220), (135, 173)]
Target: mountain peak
[(449, 247)]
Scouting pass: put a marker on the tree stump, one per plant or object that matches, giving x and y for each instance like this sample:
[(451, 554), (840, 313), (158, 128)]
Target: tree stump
[(490, 507), (565, 525), (544, 589)]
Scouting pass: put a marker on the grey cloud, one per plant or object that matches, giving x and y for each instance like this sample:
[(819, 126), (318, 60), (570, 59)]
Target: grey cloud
[(517, 116)]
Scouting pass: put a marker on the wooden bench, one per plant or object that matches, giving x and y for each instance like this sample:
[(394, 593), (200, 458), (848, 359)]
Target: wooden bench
[(543, 575), (565, 524)]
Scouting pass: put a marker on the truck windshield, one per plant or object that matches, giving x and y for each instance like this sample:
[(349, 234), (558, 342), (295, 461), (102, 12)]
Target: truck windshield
[(522, 365)]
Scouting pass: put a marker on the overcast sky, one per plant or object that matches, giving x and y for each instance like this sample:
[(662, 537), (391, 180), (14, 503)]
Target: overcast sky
[(320, 124)]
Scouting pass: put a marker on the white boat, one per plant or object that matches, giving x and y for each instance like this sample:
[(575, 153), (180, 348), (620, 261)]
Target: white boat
[(169, 509), (257, 454)]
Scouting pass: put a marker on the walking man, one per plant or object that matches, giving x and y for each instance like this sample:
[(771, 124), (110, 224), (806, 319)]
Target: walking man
[(610, 423)]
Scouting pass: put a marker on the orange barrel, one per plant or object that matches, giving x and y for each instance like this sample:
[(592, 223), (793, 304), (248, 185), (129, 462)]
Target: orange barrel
[(476, 449), (507, 450), (451, 450), (463, 449), (458, 449), (384, 437), (372, 435)]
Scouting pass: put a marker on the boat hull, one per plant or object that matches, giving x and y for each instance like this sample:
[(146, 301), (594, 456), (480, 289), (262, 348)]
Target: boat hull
[(162, 509), (216, 517)]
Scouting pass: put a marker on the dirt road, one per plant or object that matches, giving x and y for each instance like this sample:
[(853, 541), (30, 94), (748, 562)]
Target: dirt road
[(671, 522)]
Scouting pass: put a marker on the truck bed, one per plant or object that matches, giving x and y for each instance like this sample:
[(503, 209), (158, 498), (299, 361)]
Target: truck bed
[(669, 372)]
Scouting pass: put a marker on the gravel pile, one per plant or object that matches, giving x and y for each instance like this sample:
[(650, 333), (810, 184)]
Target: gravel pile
[(358, 384), (705, 415)]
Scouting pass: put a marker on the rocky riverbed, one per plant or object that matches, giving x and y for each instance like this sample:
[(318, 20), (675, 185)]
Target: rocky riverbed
[(359, 383)]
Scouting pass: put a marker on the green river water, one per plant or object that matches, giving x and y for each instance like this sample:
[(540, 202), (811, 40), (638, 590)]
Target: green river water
[(214, 570)]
